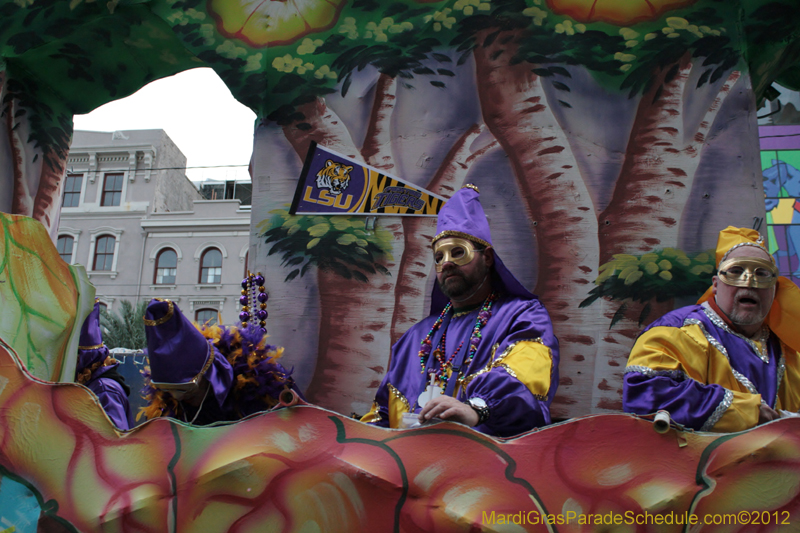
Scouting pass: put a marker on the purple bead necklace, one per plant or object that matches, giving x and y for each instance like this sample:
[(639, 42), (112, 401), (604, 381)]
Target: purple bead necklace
[(474, 341), (251, 300)]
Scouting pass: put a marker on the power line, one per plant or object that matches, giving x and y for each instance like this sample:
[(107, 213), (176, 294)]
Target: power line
[(170, 168)]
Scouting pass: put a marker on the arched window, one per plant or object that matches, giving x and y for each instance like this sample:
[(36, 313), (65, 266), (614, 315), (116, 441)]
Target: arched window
[(201, 316), (104, 253), (103, 307), (166, 267), (64, 247), (211, 266)]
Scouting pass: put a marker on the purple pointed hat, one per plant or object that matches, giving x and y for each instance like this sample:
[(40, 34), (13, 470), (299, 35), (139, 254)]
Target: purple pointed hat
[(179, 353), (463, 216), (90, 345)]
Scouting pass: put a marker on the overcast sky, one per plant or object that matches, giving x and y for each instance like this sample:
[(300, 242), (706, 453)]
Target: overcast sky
[(198, 113)]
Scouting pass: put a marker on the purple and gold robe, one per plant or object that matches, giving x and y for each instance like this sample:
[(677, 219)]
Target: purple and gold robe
[(709, 378), (515, 368)]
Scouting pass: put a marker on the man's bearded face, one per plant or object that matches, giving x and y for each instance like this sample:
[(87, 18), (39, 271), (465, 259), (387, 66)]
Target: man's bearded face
[(456, 277)]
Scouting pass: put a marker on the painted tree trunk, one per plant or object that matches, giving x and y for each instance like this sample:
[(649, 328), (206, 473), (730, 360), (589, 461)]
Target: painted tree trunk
[(34, 173), (320, 124), (516, 110), (417, 263), (355, 317), (646, 208), (377, 149), (662, 157)]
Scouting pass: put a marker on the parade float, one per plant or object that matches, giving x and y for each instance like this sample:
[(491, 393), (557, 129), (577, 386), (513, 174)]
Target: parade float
[(611, 142)]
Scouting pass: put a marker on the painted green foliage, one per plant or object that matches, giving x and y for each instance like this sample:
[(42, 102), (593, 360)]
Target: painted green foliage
[(339, 244), (65, 58), (659, 276), (70, 57)]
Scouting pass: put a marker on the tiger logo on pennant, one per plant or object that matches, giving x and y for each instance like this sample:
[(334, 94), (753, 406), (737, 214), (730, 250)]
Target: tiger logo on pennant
[(334, 176)]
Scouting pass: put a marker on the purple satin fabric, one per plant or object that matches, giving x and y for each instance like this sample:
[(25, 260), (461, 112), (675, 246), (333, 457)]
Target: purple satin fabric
[(220, 376), (691, 403), (514, 409), (113, 399)]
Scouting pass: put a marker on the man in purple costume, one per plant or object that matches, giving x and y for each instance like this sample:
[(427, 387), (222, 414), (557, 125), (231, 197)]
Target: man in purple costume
[(731, 362), (209, 374), (97, 371), (487, 356)]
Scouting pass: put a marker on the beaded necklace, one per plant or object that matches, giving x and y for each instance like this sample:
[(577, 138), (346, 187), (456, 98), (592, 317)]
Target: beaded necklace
[(475, 339)]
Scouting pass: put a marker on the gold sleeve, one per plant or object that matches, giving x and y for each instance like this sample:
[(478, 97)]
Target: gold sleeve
[(742, 413), (398, 404), (531, 362), (682, 350), (373, 415)]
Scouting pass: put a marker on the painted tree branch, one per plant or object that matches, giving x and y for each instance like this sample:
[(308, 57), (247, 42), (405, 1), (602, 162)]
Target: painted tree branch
[(516, 110), (21, 196), (378, 144)]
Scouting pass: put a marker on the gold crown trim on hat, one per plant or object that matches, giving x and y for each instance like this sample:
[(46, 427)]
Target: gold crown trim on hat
[(758, 244), (95, 347), (471, 186), (453, 233), (158, 322)]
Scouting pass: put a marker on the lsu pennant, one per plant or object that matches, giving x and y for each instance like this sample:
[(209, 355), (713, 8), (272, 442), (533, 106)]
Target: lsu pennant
[(332, 184)]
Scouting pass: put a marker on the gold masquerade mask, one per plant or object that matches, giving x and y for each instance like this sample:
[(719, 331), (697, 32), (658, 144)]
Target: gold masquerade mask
[(453, 249), (751, 272)]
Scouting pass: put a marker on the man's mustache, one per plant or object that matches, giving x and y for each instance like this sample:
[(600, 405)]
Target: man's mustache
[(450, 272), (750, 294)]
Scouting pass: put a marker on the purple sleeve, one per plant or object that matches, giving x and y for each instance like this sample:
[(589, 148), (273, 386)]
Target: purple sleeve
[(513, 408), (113, 399), (404, 370), (689, 402)]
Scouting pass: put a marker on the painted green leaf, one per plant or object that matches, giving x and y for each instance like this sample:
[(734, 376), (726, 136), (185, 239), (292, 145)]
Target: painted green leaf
[(44, 300)]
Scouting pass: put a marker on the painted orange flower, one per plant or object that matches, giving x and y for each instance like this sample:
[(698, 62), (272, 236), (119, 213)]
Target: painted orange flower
[(262, 23), (618, 12)]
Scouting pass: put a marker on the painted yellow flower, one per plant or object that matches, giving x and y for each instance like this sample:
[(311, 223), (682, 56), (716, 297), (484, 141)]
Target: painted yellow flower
[(262, 23)]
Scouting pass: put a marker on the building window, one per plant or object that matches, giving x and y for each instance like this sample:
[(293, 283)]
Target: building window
[(166, 267), (246, 257), (104, 253), (211, 266), (64, 247), (103, 307), (112, 190), (72, 190), (210, 316)]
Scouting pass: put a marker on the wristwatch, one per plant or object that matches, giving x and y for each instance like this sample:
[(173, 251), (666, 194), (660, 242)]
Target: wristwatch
[(479, 404)]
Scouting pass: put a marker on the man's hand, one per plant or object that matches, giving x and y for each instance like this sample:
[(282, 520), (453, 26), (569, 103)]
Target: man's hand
[(448, 408), (767, 414)]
